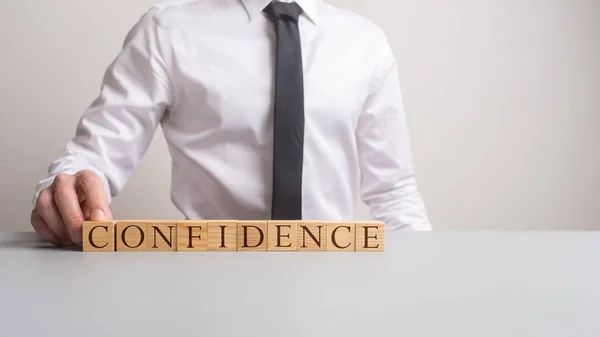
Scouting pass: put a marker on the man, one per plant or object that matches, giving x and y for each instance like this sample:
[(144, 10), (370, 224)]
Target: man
[(270, 111)]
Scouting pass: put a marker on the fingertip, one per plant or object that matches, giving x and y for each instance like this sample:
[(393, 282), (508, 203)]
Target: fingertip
[(98, 214)]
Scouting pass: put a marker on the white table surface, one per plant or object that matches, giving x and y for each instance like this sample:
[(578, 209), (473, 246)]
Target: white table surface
[(462, 284)]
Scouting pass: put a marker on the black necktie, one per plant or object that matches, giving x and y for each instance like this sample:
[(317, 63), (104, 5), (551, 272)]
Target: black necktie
[(289, 113)]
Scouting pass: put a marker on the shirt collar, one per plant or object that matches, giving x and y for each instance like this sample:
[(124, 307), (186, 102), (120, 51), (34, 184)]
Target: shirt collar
[(311, 8)]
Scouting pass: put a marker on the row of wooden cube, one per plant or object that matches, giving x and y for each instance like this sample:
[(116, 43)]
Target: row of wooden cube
[(234, 235)]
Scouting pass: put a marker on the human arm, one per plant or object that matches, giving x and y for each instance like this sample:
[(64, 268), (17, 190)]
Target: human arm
[(389, 186), (110, 139)]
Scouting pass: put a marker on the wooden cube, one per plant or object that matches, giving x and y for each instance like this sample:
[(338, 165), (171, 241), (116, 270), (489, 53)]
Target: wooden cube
[(98, 236), (222, 235), (370, 236), (192, 235), (162, 236), (131, 235), (312, 236), (282, 235), (252, 236), (341, 236)]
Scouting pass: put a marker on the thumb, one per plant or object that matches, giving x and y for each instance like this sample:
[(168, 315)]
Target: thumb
[(96, 203)]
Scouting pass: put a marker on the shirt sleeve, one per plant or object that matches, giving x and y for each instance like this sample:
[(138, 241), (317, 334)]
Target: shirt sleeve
[(388, 184), (116, 130)]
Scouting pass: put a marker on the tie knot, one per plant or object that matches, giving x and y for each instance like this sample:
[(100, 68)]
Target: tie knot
[(283, 10)]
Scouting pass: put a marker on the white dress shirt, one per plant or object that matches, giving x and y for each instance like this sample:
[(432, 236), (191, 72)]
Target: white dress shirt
[(203, 70)]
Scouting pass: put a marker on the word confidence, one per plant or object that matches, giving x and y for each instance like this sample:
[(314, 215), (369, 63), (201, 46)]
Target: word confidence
[(234, 235)]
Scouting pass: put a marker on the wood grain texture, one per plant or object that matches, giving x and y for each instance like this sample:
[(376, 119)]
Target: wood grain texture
[(98, 236), (131, 235), (282, 235), (192, 236), (162, 236), (370, 236), (341, 236), (233, 235), (222, 235), (312, 236), (252, 235)]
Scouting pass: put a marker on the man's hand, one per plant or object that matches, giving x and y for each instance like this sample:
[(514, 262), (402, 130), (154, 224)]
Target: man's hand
[(62, 207)]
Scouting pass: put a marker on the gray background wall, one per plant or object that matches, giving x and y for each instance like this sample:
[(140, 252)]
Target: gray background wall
[(501, 96)]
